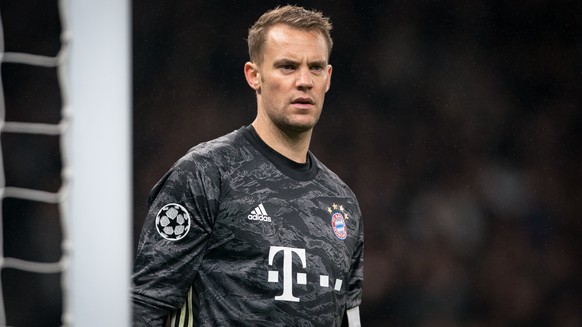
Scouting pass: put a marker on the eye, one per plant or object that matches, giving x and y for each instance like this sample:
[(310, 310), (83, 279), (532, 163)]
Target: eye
[(287, 67), (317, 68)]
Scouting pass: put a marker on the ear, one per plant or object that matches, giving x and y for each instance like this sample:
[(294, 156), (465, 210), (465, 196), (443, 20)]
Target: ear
[(252, 75), (327, 86)]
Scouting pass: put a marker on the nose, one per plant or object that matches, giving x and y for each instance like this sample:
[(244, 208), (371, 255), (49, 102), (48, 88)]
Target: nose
[(304, 79)]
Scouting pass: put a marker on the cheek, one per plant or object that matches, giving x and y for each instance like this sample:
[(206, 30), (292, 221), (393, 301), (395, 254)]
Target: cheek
[(275, 92), (275, 85)]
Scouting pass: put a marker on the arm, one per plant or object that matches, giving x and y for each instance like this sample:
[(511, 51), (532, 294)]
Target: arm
[(356, 280), (167, 263)]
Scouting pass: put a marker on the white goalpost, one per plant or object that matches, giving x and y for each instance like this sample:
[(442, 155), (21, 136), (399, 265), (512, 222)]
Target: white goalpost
[(94, 197), (101, 162)]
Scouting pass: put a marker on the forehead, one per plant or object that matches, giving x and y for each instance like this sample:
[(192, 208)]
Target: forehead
[(285, 41)]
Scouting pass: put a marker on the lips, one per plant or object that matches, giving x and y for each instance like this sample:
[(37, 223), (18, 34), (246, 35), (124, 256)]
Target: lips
[(302, 101)]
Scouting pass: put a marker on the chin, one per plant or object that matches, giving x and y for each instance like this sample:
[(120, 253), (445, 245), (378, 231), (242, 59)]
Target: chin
[(295, 126), (301, 127)]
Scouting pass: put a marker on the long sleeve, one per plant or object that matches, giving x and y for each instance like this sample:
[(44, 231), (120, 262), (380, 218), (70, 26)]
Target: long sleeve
[(178, 225), (357, 270)]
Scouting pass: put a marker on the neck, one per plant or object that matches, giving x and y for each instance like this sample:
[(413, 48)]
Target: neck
[(293, 145)]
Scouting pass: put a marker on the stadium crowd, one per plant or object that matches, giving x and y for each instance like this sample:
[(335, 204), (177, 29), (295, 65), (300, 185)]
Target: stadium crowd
[(456, 124)]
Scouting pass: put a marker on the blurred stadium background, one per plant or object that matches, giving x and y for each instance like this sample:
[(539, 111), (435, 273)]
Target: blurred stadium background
[(458, 125)]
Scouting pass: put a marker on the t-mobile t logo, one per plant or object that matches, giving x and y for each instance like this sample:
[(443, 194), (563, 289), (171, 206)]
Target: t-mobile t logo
[(287, 271)]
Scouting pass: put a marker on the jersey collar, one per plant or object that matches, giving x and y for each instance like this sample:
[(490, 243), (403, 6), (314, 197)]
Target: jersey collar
[(299, 171)]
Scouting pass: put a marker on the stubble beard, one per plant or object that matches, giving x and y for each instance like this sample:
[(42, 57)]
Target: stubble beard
[(291, 126)]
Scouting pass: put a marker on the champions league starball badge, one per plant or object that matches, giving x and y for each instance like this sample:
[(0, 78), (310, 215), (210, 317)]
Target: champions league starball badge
[(173, 222), (338, 221)]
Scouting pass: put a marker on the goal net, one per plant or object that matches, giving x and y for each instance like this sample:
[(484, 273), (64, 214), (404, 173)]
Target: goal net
[(64, 163)]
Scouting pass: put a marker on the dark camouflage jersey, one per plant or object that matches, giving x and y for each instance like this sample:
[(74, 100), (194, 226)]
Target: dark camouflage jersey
[(238, 235)]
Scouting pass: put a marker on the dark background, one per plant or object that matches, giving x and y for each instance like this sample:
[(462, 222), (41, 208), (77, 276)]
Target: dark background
[(456, 123)]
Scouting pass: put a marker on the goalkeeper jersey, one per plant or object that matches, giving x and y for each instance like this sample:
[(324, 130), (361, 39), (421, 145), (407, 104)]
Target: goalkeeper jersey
[(239, 235)]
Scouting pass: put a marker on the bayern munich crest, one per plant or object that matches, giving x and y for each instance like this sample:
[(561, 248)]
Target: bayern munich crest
[(338, 221), (173, 222)]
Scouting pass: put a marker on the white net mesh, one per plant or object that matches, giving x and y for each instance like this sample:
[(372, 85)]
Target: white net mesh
[(34, 176)]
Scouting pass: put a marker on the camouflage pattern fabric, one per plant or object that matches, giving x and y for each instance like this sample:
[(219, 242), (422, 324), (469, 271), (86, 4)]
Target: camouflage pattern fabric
[(238, 235)]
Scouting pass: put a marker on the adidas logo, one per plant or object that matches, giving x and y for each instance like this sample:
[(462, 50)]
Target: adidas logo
[(259, 214)]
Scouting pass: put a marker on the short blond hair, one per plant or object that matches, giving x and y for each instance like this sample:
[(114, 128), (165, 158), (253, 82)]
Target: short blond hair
[(293, 16)]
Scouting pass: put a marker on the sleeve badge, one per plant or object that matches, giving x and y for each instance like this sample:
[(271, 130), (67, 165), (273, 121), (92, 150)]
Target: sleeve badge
[(173, 222)]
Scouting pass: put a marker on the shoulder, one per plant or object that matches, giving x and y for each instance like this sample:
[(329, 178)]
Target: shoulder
[(203, 166), (219, 152), (332, 180)]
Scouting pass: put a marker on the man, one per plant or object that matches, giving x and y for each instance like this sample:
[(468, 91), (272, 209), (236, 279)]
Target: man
[(250, 229)]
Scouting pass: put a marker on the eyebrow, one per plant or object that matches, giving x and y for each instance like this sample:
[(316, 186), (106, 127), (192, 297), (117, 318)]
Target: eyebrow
[(284, 61), (287, 61), (318, 62)]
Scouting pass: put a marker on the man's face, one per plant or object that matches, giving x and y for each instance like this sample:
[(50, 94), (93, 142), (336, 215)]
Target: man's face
[(294, 76)]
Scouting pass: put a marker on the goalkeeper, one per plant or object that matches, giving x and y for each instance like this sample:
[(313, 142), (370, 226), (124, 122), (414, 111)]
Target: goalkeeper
[(251, 229)]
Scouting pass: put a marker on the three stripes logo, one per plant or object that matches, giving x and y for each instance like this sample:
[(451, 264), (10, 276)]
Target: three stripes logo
[(259, 214)]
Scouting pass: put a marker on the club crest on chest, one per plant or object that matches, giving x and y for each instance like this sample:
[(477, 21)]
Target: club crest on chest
[(338, 218)]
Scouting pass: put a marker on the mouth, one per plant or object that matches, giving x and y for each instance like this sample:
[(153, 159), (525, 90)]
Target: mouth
[(302, 101)]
